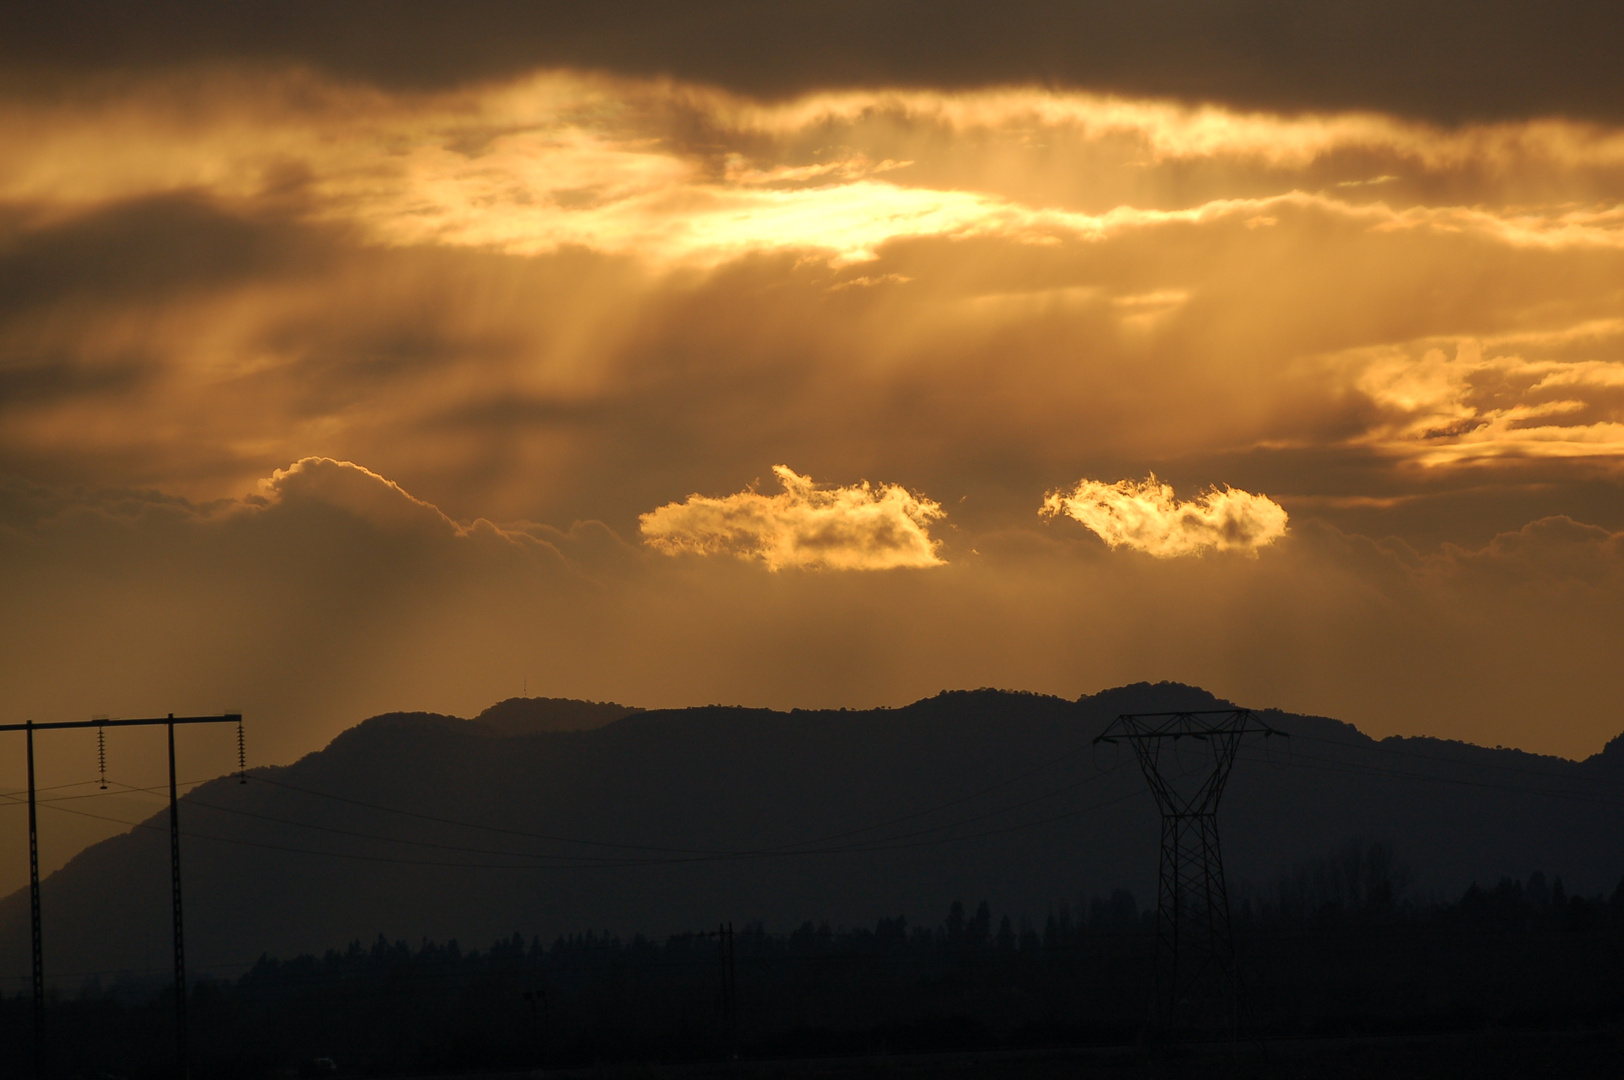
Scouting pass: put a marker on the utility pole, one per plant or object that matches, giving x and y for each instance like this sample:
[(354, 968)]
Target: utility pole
[(181, 1054), (181, 1057), (33, 914), (1195, 979)]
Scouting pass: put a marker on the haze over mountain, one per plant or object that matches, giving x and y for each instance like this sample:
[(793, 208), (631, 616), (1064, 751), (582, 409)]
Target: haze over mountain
[(545, 816)]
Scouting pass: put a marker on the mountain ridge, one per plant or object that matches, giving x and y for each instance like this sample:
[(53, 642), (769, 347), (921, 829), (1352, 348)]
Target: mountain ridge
[(545, 816)]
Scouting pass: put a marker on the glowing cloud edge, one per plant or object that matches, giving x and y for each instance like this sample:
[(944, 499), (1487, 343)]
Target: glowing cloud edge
[(808, 526), (1145, 516)]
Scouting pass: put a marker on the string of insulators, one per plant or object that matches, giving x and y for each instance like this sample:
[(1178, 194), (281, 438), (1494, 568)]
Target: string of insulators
[(101, 755), (242, 756)]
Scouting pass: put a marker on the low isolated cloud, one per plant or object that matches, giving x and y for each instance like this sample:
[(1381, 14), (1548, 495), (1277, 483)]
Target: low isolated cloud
[(1146, 516), (861, 527)]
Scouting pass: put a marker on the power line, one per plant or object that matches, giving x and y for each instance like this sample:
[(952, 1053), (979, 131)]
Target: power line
[(13, 800), (824, 845), (666, 849), (907, 841), (785, 849), (1377, 770), (1382, 747), (684, 856)]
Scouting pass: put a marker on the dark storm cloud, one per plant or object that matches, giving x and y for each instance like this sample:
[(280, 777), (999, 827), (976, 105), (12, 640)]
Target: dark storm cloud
[(33, 381), (145, 250), (1447, 61)]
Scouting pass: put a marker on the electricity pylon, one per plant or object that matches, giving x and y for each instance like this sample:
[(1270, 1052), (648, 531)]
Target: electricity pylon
[(1196, 985)]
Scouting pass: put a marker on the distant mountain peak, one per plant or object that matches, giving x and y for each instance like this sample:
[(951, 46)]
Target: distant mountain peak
[(1611, 757), (1155, 697), (532, 715)]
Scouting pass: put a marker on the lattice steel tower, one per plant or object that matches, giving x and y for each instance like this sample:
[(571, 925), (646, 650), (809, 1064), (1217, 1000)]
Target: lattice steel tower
[(1196, 985)]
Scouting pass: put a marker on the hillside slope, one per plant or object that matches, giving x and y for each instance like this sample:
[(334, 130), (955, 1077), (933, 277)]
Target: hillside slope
[(548, 817)]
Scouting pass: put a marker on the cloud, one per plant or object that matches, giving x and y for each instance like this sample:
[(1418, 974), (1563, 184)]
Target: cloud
[(359, 491), (1146, 517), (1439, 410), (1545, 553), (391, 515), (861, 527), (139, 251), (555, 160), (1523, 59)]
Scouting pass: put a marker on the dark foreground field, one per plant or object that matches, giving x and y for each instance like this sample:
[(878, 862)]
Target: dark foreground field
[(1521, 979), (1486, 1055)]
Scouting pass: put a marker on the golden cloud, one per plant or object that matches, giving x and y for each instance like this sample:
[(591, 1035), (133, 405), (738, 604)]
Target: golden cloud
[(1440, 410), (556, 160), (359, 491), (1145, 516), (489, 292), (1169, 131), (807, 526)]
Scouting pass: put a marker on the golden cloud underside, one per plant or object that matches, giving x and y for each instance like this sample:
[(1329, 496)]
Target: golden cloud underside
[(806, 526), (1145, 516)]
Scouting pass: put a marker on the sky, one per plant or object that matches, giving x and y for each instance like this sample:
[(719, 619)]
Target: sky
[(408, 356)]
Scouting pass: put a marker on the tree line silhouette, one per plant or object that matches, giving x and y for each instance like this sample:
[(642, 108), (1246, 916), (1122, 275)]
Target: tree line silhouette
[(1339, 946)]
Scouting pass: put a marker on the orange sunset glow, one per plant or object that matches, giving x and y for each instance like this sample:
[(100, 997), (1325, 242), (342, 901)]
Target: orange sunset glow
[(665, 378)]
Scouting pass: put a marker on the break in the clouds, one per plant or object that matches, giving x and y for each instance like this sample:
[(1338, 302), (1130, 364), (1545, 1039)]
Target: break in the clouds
[(807, 526), (1144, 515)]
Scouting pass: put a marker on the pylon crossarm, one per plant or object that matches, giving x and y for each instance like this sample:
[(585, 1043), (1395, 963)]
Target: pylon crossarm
[(1191, 724)]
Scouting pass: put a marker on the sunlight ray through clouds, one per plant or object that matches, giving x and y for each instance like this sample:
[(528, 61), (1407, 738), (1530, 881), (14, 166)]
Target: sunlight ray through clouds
[(559, 160)]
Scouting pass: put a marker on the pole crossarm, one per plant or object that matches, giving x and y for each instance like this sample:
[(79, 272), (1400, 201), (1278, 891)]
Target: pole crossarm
[(223, 718), (1196, 982)]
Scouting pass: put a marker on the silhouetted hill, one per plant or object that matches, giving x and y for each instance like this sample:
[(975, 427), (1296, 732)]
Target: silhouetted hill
[(1608, 763), (546, 816), (526, 716), (515, 716)]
